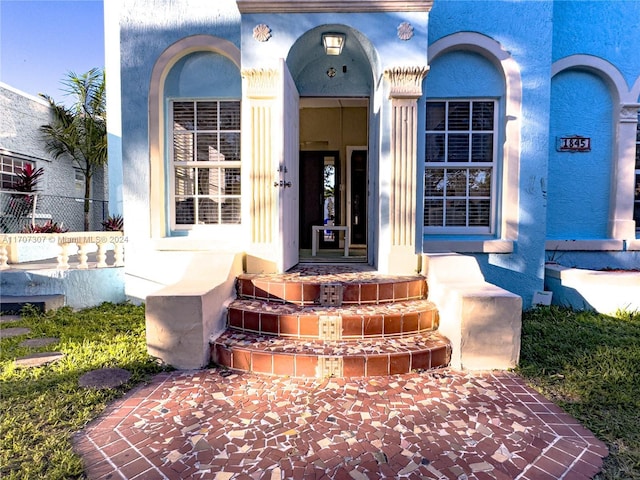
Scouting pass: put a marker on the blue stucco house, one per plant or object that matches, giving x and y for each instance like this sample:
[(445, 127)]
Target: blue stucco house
[(461, 139)]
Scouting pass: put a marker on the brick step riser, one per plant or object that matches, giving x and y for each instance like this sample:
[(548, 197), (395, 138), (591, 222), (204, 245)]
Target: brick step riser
[(300, 365), (308, 293), (332, 325), (350, 326)]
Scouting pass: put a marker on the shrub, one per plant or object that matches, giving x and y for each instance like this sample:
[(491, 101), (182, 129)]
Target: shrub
[(113, 224), (49, 227), (27, 179)]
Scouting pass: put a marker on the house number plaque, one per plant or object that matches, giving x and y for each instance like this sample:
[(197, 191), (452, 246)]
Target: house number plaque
[(574, 143)]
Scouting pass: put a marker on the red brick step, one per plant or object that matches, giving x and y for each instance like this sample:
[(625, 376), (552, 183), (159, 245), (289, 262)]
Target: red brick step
[(357, 288), (333, 323), (331, 320), (315, 358)]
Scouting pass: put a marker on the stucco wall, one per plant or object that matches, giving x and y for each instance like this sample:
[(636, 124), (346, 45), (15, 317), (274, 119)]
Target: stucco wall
[(586, 99), (22, 116), (607, 30), (579, 183), (143, 38), (521, 271)]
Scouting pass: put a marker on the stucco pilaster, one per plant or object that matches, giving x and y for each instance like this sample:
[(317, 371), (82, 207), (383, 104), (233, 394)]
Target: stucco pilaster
[(261, 89), (261, 97), (405, 87), (621, 224)]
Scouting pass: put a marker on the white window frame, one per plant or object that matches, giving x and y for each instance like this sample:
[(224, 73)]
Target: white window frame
[(469, 165), (9, 165), (199, 164)]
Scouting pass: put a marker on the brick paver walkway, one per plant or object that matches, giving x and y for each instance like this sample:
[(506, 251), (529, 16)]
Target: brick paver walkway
[(212, 424)]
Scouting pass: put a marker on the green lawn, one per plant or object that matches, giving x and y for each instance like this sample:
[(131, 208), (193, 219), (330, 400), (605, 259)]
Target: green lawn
[(42, 407), (589, 364)]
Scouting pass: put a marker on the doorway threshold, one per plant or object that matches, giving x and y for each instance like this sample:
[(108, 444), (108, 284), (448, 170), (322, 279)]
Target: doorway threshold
[(333, 256)]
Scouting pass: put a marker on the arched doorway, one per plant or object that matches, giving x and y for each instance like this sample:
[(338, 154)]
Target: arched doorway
[(337, 167)]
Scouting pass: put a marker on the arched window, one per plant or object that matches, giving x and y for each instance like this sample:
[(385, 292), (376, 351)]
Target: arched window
[(194, 135), (472, 148)]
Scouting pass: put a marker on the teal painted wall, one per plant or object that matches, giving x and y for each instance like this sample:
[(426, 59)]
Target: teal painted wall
[(579, 183), (521, 271), (608, 30), (202, 75)]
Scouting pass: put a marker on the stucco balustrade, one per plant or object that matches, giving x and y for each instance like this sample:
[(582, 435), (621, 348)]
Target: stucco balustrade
[(89, 248)]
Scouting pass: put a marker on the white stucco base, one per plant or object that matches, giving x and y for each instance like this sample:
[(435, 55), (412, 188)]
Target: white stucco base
[(81, 288), (180, 318), (482, 321), (600, 290)]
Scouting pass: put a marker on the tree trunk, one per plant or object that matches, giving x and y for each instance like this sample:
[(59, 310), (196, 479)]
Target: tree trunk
[(87, 197)]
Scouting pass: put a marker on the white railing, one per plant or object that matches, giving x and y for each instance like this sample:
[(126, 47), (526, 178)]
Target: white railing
[(81, 244)]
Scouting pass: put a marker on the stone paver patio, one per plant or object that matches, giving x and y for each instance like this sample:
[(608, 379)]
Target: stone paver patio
[(215, 424)]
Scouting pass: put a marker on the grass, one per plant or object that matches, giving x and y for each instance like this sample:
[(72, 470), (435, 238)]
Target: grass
[(589, 364), (42, 407)]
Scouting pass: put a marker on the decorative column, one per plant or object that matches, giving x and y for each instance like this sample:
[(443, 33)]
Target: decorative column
[(621, 224), (405, 89), (259, 103)]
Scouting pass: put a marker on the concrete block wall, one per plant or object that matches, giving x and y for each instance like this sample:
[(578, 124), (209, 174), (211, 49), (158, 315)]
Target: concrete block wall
[(20, 123)]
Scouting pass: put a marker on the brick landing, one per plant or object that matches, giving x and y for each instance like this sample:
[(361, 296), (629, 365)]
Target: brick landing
[(443, 424)]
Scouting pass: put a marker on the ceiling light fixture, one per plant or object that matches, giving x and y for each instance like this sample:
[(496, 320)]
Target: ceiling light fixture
[(333, 43)]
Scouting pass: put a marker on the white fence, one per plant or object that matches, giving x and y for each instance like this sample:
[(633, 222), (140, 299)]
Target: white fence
[(88, 249)]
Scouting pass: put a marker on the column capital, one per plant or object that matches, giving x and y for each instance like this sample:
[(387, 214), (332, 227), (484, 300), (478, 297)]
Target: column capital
[(629, 112), (406, 82), (261, 82)]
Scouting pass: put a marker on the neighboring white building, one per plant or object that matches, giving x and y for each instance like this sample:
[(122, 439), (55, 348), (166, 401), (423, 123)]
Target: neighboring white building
[(21, 142)]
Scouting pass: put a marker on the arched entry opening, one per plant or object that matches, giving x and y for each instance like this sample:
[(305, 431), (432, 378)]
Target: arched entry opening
[(337, 166)]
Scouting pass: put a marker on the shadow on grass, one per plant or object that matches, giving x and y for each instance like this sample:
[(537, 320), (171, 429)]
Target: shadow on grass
[(44, 406)]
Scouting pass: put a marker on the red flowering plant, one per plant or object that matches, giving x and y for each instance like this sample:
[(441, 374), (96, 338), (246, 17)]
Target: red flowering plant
[(48, 227), (26, 182)]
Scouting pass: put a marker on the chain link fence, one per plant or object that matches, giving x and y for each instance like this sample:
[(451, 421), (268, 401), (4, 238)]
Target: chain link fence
[(20, 210)]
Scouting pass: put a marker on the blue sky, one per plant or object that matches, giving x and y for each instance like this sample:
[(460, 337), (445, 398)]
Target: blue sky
[(42, 40)]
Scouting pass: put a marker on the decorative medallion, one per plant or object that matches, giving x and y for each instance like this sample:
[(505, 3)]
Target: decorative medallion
[(405, 31), (330, 294), (262, 32)]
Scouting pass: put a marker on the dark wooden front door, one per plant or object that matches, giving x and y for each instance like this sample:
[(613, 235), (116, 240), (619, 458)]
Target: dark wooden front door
[(318, 176)]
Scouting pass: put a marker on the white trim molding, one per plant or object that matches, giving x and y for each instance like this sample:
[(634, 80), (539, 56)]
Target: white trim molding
[(405, 87), (333, 6)]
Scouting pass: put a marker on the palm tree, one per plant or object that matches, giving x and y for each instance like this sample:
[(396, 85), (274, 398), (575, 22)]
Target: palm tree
[(80, 131)]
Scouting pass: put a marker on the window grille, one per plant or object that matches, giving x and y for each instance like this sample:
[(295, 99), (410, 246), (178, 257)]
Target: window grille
[(460, 166), (205, 163)]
